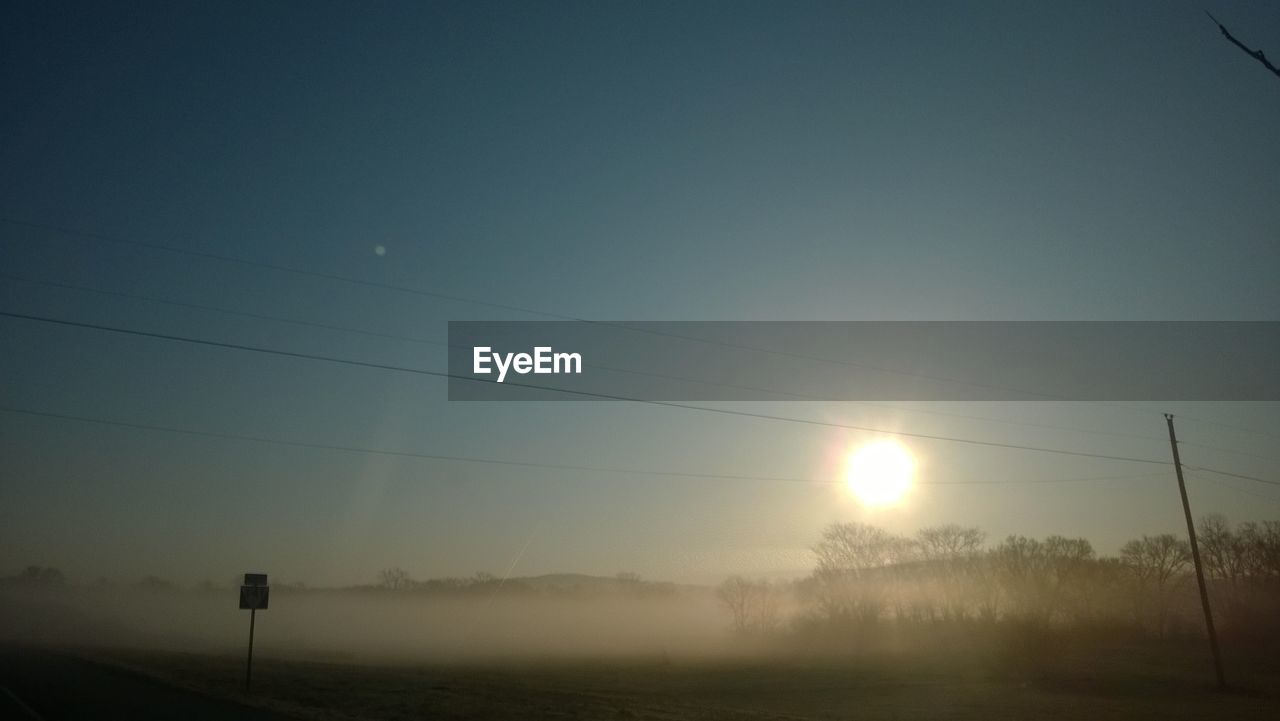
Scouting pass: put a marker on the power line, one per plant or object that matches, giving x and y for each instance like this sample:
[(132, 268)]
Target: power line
[(1234, 487), (585, 394), (277, 267), (1009, 421), (528, 464), (1233, 475), (502, 306), (1246, 454), (1231, 426), (413, 339), (361, 331), (1021, 481), (391, 336), (224, 311), (402, 454)]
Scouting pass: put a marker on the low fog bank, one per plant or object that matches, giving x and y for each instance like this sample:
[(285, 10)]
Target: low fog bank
[(368, 623), (1023, 602)]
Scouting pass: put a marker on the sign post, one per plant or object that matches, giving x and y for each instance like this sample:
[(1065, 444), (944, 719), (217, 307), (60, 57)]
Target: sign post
[(254, 595)]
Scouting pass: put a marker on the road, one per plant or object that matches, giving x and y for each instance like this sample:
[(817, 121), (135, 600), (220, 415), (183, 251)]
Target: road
[(41, 684)]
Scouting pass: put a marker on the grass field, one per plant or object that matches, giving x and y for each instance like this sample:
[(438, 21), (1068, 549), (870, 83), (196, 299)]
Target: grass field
[(1166, 681)]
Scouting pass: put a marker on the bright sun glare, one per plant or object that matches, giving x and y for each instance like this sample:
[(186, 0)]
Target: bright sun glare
[(879, 474)]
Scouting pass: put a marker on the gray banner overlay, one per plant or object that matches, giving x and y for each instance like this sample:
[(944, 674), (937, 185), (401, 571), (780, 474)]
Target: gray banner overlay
[(865, 360)]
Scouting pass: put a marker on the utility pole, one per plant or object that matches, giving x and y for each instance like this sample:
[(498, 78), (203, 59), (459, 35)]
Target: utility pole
[(1195, 556)]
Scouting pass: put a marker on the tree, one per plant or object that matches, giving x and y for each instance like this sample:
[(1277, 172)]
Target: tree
[(857, 547), (1042, 578), (849, 554), (1226, 561), (1255, 54), (1223, 553), (47, 576), (1155, 562), (753, 605), (1021, 569), (949, 542), (394, 578), (952, 553), (1260, 544), (1244, 563)]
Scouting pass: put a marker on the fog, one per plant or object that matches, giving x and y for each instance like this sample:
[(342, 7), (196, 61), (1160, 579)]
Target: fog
[(373, 624), (871, 590)]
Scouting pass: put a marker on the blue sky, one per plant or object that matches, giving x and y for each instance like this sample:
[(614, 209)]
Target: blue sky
[(655, 161)]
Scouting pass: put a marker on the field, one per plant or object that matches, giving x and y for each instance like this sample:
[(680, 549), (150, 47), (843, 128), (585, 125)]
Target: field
[(1155, 681)]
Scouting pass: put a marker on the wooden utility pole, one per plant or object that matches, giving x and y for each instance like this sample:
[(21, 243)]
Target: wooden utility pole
[(1195, 556)]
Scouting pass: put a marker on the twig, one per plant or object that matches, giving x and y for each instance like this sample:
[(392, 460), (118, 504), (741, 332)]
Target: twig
[(1255, 54)]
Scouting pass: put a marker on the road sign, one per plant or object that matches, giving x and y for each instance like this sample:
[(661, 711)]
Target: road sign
[(254, 595), (254, 598)]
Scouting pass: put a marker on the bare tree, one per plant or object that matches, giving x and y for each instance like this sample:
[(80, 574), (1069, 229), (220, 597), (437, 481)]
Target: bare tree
[(395, 578), (1244, 565), (949, 542), (1041, 577), (1255, 54), (1021, 569), (857, 547), (752, 604), (41, 576), (951, 552), (849, 554), (1155, 563), (1260, 544), (1226, 561)]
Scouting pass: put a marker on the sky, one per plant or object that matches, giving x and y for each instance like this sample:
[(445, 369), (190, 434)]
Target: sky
[(611, 161)]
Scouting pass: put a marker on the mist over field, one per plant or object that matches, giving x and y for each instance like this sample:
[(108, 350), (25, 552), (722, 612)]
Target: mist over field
[(871, 591), (885, 623), (376, 624)]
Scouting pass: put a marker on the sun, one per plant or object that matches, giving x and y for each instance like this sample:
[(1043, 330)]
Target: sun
[(880, 474)]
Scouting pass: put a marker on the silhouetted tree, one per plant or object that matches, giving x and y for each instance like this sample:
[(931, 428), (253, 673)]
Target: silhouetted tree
[(952, 554), (395, 579), (753, 604), (46, 576), (848, 555), (1255, 54), (950, 541), (1155, 562)]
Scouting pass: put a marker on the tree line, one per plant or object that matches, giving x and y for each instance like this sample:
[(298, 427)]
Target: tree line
[(865, 576), (393, 579)]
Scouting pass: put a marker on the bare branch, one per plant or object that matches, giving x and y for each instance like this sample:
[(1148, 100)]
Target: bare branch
[(1255, 54)]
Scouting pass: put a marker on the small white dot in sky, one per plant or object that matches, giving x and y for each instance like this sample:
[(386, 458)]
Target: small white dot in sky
[(380, 249)]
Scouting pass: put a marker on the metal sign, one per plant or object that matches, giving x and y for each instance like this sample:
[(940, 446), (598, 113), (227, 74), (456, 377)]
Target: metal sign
[(254, 595), (254, 598)]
